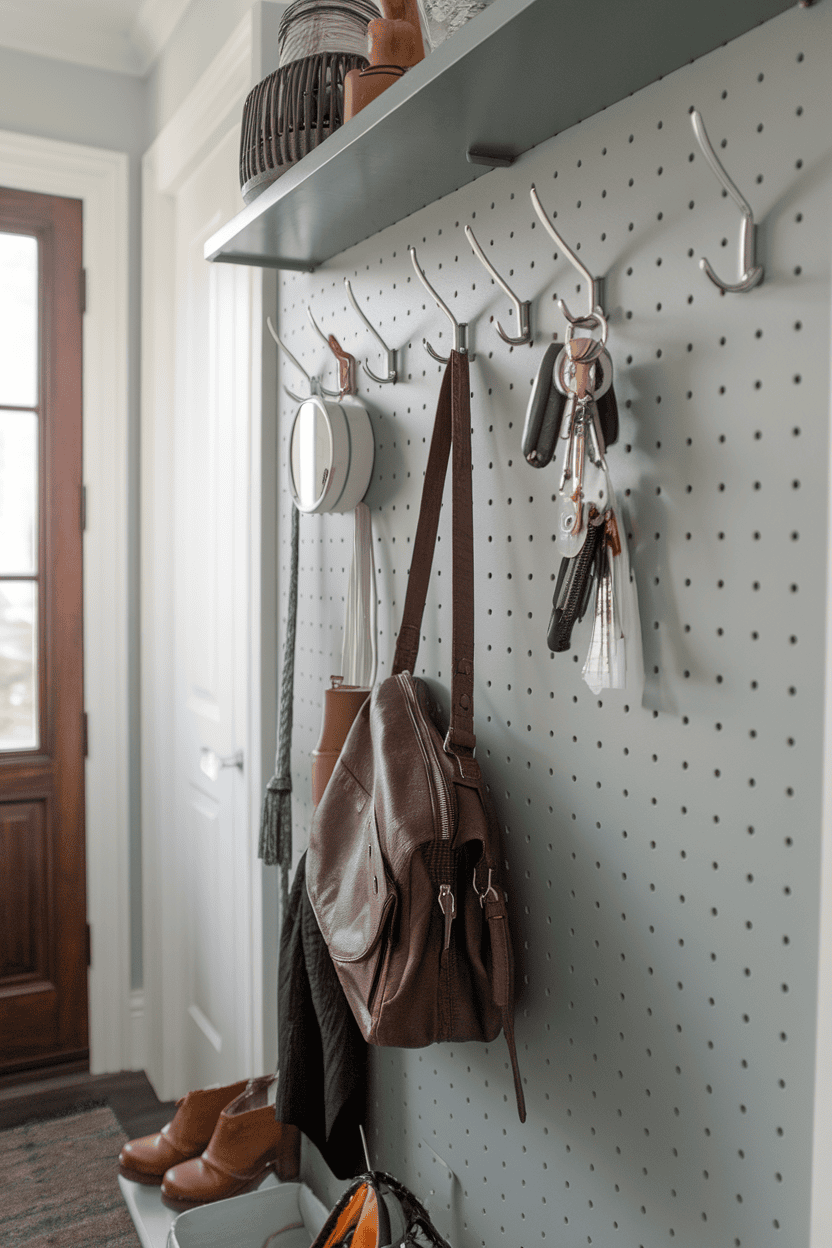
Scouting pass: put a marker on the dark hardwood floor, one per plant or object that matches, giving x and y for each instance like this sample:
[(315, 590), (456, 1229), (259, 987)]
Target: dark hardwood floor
[(128, 1094)]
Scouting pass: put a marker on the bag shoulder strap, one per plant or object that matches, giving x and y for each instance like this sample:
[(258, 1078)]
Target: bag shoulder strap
[(503, 989), (452, 429)]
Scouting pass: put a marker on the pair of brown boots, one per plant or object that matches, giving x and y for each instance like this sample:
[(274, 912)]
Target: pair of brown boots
[(220, 1142)]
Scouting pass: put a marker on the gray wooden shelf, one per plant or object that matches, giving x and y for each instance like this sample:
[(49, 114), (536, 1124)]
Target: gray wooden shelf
[(518, 73)]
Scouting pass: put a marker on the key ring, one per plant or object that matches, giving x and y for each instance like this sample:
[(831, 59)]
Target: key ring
[(585, 322), (601, 361)]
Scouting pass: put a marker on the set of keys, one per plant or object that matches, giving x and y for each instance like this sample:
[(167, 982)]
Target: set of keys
[(583, 381), (571, 419)]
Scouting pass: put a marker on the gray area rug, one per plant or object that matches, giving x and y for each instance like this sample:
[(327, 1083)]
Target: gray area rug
[(59, 1184)]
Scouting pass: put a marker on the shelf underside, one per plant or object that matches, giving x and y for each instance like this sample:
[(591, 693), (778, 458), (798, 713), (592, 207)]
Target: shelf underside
[(517, 74)]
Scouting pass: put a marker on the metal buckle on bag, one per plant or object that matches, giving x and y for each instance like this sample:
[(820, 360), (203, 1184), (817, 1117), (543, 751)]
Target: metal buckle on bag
[(483, 896), (463, 755)]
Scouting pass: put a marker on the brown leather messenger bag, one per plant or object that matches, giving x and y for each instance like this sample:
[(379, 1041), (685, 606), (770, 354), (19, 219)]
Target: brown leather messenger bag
[(404, 865)]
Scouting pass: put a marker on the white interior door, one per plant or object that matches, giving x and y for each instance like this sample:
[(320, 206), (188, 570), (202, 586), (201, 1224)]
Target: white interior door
[(209, 935)]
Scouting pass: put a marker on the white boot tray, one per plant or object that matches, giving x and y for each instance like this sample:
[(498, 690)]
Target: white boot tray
[(235, 1223), (286, 1216)]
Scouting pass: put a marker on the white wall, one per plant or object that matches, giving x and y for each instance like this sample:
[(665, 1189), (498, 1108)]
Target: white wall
[(195, 42)]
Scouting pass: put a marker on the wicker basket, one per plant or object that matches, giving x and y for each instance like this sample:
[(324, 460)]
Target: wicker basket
[(290, 113), (310, 26)]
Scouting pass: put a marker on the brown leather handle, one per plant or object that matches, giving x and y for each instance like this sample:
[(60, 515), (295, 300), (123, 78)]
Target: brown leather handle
[(452, 428), (346, 366), (504, 992)]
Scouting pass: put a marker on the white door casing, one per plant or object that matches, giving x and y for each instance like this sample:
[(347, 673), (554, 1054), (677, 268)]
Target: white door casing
[(201, 614), (99, 178), (210, 593)]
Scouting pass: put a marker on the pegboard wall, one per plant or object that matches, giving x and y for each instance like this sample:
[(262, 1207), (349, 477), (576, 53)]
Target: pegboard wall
[(664, 851)]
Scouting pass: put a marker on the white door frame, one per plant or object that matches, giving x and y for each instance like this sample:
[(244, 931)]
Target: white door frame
[(99, 179), (213, 105)]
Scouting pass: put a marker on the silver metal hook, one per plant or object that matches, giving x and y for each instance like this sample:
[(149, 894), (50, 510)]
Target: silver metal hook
[(460, 328), (752, 273), (296, 397), (595, 285), (522, 308), (330, 394), (392, 374)]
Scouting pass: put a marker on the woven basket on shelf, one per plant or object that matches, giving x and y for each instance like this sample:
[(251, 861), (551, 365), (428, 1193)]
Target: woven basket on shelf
[(290, 113), (302, 102)]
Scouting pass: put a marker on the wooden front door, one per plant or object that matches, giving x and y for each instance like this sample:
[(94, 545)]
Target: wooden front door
[(43, 925)]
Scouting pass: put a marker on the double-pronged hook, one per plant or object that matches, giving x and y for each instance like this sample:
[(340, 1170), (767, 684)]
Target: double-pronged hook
[(346, 362), (313, 386), (392, 373), (751, 272), (522, 308), (595, 285), (460, 328)]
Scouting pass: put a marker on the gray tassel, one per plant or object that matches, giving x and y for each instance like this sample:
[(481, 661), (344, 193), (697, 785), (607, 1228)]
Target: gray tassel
[(276, 819)]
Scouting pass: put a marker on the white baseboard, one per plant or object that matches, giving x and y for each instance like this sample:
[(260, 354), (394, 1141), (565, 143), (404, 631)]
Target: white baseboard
[(138, 1046)]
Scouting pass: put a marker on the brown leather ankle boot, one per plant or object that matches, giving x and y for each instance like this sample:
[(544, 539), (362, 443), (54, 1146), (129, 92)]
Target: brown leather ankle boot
[(186, 1135), (246, 1143)]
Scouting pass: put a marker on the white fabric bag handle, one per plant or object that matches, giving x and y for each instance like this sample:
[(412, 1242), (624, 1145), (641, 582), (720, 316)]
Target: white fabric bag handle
[(359, 658)]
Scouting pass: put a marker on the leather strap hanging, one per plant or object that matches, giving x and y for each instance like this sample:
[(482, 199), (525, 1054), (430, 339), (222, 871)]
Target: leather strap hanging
[(405, 864), (452, 430)]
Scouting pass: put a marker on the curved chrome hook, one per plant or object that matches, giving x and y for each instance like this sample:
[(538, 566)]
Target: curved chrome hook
[(752, 273), (522, 309), (595, 285), (330, 394), (460, 328), (296, 397), (392, 375)]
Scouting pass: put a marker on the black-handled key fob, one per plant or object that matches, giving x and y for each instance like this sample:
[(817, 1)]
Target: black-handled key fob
[(544, 413)]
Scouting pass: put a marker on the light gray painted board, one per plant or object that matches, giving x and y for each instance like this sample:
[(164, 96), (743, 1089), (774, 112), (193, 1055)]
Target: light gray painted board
[(652, 1009), (515, 75)]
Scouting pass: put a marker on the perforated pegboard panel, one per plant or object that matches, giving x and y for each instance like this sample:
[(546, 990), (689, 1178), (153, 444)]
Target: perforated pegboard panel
[(664, 855)]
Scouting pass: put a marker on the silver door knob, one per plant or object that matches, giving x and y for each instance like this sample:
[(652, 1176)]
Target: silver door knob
[(210, 764)]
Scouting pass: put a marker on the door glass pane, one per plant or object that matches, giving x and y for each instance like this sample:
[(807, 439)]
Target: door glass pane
[(18, 320), (18, 493), (18, 665)]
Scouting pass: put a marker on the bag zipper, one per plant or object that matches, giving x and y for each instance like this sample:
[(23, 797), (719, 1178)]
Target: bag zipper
[(447, 904), (447, 901)]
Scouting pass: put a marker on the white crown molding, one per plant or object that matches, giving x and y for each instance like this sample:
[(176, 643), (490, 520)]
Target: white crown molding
[(100, 179), (216, 96), (65, 38), (155, 22)]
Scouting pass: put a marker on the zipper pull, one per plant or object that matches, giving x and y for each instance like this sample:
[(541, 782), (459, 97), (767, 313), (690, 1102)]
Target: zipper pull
[(447, 904)]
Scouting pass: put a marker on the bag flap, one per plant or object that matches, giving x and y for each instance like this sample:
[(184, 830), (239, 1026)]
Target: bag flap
[(345, 875)]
